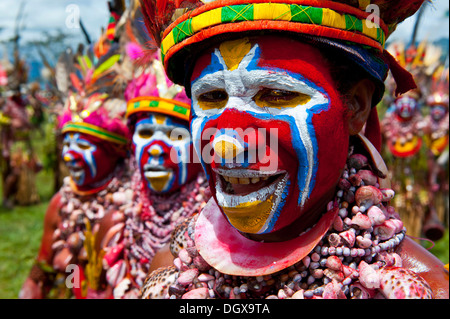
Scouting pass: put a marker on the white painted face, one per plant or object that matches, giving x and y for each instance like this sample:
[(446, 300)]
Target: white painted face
[(78, 153), (161, 147), (234, 92)]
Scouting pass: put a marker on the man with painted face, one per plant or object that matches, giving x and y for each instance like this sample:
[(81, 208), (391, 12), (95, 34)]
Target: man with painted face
[(95, 147), (402, 128), (168, 185), (94, 150), (280, 93)]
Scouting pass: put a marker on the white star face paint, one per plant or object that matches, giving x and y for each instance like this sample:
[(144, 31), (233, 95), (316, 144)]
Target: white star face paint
[(245, 91)]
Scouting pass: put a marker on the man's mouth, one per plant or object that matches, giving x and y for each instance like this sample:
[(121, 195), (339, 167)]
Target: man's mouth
[(157, 175), (249, 198), (75, 170)]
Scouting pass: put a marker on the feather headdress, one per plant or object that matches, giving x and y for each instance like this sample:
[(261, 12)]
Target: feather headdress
[(94, 98), (150, 90)]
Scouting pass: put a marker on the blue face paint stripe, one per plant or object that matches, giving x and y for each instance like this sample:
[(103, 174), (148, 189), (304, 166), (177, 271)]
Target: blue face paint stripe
[(197, 140), (213, 67), (277, 213)]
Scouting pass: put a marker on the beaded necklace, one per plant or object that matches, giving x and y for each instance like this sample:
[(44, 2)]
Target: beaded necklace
[(148, 227), (78, 209), (350, 261)]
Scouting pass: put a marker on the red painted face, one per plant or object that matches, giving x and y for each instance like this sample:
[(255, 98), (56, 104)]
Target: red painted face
[(90, 160), (269, 111)]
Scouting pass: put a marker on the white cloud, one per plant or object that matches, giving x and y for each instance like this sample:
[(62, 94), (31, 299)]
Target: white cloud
[(48, 15), (433, 25)]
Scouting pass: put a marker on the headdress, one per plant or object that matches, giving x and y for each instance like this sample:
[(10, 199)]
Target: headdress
[(358, 28), (93, 103), (439, 87), (150, 90)]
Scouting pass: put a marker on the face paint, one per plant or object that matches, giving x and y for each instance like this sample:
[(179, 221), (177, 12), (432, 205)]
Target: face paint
[(438, 112), (162, 147), (405, 107), (281, 86), (89, 163)]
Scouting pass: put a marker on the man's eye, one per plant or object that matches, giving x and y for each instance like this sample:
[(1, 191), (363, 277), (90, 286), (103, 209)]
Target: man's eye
[(277, 95), (213, 99), (280, 98), (175, 137), (83, 146), (146, 133)]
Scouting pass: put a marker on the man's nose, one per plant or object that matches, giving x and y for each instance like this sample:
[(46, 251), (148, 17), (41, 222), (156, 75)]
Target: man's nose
[(156, 150), (67, 157), (70, 156), (227, 146)]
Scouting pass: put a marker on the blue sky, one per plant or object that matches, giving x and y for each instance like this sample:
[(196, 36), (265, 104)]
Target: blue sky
[(47, 15)]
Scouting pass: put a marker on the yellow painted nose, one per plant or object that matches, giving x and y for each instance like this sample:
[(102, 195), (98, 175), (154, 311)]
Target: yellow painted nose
[(226, 149), (155, 150), (67, 158)]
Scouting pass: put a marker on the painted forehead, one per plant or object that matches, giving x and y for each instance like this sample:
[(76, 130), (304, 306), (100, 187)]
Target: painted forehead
[(159, 120), (276, 53), (81, 137)]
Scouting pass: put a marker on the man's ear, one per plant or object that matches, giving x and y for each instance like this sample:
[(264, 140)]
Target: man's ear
[(359, 104)]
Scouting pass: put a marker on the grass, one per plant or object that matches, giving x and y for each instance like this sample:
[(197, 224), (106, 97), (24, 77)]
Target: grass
[(20, 237), (21, 230)]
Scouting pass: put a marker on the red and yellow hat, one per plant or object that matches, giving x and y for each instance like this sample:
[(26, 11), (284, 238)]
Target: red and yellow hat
[(184, 27), (159, 105)]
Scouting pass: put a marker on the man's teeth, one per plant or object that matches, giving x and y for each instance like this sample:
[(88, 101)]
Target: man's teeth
[(156, 174), (245, 181)]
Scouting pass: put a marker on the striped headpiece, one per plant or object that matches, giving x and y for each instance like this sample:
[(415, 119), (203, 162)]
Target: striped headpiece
[(358, 28)]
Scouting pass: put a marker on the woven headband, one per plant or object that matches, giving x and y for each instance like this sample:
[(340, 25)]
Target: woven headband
[(95, 131), (318, 18), (158, 105)]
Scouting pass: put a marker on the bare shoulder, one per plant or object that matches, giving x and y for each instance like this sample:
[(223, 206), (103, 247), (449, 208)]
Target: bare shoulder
[(428, 266)]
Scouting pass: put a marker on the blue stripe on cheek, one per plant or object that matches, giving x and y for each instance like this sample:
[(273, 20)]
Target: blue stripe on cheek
[(312, 133)]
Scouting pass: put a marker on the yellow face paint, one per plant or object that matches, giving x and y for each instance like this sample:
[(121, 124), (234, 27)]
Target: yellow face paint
[(280, 99), (213, 100), (249, 217), (158, 183), (234, 51), (225, 149), (160, 119)]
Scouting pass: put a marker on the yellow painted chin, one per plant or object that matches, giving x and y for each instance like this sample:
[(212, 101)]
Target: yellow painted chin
[(249, 217), (159, 183)]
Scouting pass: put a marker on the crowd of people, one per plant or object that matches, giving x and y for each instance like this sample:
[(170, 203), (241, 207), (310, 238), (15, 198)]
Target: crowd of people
[(232, 149)]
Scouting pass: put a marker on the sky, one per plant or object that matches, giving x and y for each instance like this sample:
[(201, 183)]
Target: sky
[(48, 15)]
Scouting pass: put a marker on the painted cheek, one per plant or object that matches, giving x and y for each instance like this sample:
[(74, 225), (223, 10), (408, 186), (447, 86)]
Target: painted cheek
[(332, 147)]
